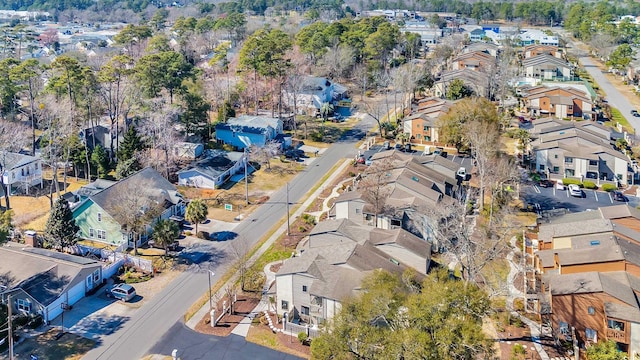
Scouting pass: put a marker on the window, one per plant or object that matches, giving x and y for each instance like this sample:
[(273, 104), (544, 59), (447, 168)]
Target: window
[(22, 171), (96, 275), (593, 162), (556, 169), (541, 167), (102, 235), (568, 160), (304, 288), (304, 310), (615, 325), (358, 210), (425, 128), (591, 309), (36, 166), (91, 233), (590, 334), (99, 217), (284, 305), (564, 328), (418, 136), (569, 172), (603, 162), (555, 156), (23, 305), (395, 222)]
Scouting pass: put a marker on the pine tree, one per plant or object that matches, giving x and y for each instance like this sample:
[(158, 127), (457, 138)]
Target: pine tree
[(61, 228), (100, 159), (130, 145)]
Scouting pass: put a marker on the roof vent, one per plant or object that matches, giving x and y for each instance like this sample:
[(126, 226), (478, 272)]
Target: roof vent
[(594, 243), (415, 179)]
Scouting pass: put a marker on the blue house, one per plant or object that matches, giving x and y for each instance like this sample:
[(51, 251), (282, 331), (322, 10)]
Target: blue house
[(247, 130), (476, 35)]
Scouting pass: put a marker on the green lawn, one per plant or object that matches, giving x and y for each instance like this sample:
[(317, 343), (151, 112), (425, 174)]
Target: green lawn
[(616, 117)]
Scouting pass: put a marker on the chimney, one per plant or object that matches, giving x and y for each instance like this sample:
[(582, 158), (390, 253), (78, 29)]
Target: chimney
[(31, 239)]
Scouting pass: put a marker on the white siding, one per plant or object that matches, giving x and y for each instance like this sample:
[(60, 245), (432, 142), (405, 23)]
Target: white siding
[(76, 293), (284, 292), (342, 210), (196, 180)]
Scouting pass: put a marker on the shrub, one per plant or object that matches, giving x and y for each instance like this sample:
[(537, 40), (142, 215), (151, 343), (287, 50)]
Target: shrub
[(303, 337), (351, 174), (188, 233), (302, 228), (518, 351), (570, 181), (590, 185), (202, 235), (609, 187), (309, 219)]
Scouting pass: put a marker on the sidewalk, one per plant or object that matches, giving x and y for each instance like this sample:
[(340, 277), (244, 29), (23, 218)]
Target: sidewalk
[(246, 322)]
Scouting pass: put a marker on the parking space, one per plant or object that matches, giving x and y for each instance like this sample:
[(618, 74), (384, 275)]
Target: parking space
[(553, 198)]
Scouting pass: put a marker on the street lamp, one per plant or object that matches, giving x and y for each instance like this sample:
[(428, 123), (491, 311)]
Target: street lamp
[(211, 273)]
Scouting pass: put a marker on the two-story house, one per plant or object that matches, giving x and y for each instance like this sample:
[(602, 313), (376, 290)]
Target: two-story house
[(477, 81), (485, 47), (247, 130), (530, 51), (577, 150), (547, 67), (332, 261), (421, 124), (97, 216), (476, 60), (20, 171), (213, 170), (312, 92), (561, 102)]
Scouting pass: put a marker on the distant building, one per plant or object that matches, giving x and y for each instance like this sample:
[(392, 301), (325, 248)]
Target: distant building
[(247, 130)]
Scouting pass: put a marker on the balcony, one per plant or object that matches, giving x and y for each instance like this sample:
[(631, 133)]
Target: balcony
[(616, 335)]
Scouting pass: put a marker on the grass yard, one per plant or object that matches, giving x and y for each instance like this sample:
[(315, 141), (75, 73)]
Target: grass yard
[(47, 347)]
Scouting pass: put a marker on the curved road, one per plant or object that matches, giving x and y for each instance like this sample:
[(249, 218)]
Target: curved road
[(152, 321)]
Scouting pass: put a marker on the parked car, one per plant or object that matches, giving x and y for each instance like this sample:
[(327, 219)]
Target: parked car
[(361, 159), (635, 113), (124, 292), (546, 183), (462, 173), (575, 191), (171, 247), (560, 185), (619, 196)]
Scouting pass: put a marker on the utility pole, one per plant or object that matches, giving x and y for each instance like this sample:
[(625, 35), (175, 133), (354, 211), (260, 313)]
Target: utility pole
[(9, 306), (524, 268), (288, 217), (246, 177)]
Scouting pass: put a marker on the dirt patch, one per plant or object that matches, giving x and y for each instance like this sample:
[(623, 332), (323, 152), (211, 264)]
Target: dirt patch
[(275, 267), (48, 346), (242, 308), (513, 335)]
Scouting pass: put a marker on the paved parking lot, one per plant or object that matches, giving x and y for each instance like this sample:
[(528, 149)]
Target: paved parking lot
[(552, 198)]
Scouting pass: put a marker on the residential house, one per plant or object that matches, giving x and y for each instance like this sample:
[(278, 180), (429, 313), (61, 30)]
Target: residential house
[(596, 306), (477, 81), (20, 171), (477, 60), (575, 150), (103, 136), (489, 48), (312, 92), (477, 35), (421, 125), (332, 261), (539, 49), (244, 131), (429, 34), (529, 37), (40, 281), (547, 67), (561, 102), (413, 184), (98, 220), (213, 170)]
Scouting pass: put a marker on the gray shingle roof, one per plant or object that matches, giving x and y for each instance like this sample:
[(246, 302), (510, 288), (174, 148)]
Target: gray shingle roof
[(215, 163), (11, 160)]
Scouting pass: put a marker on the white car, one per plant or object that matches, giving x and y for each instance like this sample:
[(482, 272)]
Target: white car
[(574, 190), (560, 185)]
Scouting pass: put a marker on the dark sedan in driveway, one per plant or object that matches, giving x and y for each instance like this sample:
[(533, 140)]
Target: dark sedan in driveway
[(618, 196)]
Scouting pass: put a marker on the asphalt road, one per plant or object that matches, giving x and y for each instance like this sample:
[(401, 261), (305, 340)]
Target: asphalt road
[(193, 345), (613, 96), (155, 319)]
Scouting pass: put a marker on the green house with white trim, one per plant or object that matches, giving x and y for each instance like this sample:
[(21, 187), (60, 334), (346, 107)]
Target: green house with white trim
[(93, 214)]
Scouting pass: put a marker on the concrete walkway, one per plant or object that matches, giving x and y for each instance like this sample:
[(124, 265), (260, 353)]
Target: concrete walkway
[(334, 194), (514, 293), (204, 310)]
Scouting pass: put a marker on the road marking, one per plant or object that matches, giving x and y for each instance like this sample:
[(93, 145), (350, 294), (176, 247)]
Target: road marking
[(610, 198), (596, 194), (536, 189), (554, 190), (567, 192)]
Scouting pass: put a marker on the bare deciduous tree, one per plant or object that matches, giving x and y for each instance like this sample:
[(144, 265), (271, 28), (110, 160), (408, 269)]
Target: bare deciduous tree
[(13, 137), (158, 130), (375, 188), (134, 208), (264, 154)]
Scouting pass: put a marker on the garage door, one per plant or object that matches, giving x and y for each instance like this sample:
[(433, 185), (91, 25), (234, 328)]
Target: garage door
[(76, 293)]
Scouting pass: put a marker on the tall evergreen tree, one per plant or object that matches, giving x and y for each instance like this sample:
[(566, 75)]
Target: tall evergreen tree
[(61, 228), (100, 159), (131, 144)]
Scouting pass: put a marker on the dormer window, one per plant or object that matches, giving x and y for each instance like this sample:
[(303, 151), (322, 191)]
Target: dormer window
[(99, 217)]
